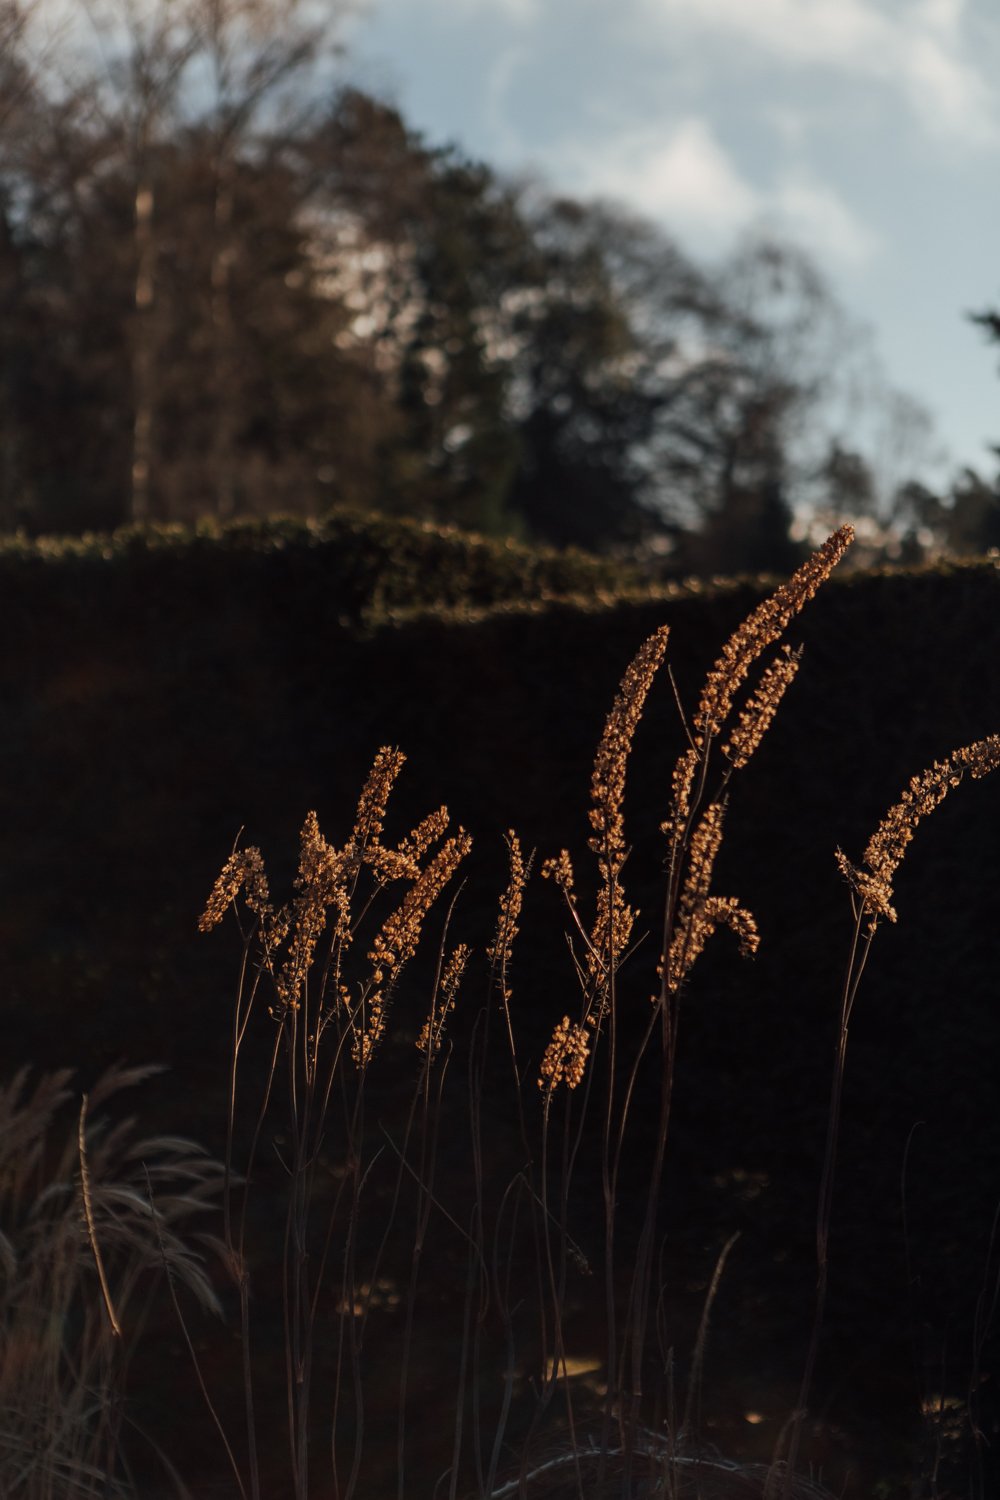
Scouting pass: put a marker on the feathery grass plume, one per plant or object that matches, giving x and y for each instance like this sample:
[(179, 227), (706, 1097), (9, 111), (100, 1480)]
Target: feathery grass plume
[(680, 802), (243, 870), (614, 918), (762, 627), (322, 883), (888, 844), (499, 950), (755, 719), (397, 941), (607, 786), (560, 869), (610, 934), (426, 833), (374, 798), (565, 1057), (690, 931), (698, 913), (429, 1040), (403, 862)]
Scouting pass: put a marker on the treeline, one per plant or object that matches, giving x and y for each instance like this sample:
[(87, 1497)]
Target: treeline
[(230, 284)]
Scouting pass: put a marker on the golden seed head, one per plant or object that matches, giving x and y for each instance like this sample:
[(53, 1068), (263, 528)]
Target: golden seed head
[(756, 718), (565, 1058), (429, 1040), (321, 883), (610, 934), (698, 913), (694, 932), (760, 629), (243, 870), (888, 844), (375, 796), (499, 950), (705, 843), (607, 787), (560, 869), (426, 833), (399, 936), (680, 802)]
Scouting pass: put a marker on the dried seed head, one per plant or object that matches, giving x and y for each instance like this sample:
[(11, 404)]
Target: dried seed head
[(680, 802), (375, 797), (426, 833), (391, 864), (610, 934), (397, 941), (321, 883), (607, 787), (888, 844), (727, 912), (429, 1040), (565, 1058), (692, 936), (762, 627), (499, 950), (755, 720), (243, 870), (560, 869), (690, 923)]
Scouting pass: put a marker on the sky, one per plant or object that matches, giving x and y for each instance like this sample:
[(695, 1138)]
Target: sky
[(865, 131)]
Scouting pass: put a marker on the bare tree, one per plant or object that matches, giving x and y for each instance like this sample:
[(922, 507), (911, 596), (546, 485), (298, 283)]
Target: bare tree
[(15, 72), (145, 50), (259, 58)]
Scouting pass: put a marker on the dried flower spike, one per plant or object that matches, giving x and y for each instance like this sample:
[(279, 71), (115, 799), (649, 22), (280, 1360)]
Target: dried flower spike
[(397, 941), (760, 629), (607, 787), (690, 932), (565, 1057), (429, 1040), (560, 869), (499, 950), (243, 870), (321, 883), (888, 844), (755, 720), (375, 797), (680, 802)]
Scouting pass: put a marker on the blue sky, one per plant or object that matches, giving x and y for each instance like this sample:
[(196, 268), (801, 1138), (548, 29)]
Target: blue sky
[(868, 131)]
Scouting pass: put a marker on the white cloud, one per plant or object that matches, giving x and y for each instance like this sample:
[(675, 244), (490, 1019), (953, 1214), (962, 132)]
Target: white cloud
[(917, 48), (684, 178), (816, 216), (514, 10), (799, 30), (499, 80)]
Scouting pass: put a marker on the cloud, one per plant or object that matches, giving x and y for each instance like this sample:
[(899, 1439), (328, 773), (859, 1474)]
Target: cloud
[(916, 48), (818, 217), (499, 80), (684, 178), (514, 10)]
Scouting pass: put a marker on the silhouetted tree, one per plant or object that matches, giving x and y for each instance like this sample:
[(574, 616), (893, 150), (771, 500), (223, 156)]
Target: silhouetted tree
[(973, 516), (219, 297), (256, 59), (426, 245)]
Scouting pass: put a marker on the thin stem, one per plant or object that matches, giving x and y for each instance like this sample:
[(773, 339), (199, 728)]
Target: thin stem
[(857, 959)]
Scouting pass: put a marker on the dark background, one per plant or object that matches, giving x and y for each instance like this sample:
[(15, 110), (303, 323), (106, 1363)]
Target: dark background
[(148, 719)]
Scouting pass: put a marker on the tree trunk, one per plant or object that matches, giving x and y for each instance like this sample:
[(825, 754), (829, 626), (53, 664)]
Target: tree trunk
[(142, 354)]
